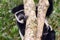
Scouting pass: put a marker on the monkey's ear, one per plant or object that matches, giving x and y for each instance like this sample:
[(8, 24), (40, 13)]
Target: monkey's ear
[(18, 8)]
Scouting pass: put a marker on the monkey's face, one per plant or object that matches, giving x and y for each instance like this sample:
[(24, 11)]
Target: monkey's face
[(20, 17)]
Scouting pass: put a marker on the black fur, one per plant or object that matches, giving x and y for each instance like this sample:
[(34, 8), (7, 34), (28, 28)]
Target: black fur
[(22, 27), (48, 34), (50, 9), (20, 7)]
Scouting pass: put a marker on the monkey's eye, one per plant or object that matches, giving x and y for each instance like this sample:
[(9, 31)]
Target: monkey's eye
[(20, 20), (21, 17)]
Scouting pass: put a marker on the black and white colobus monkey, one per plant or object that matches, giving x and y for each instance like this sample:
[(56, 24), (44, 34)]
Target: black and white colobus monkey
[(48, 32)]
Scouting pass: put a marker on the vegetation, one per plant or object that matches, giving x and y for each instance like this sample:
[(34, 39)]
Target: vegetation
[(8, 27)]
